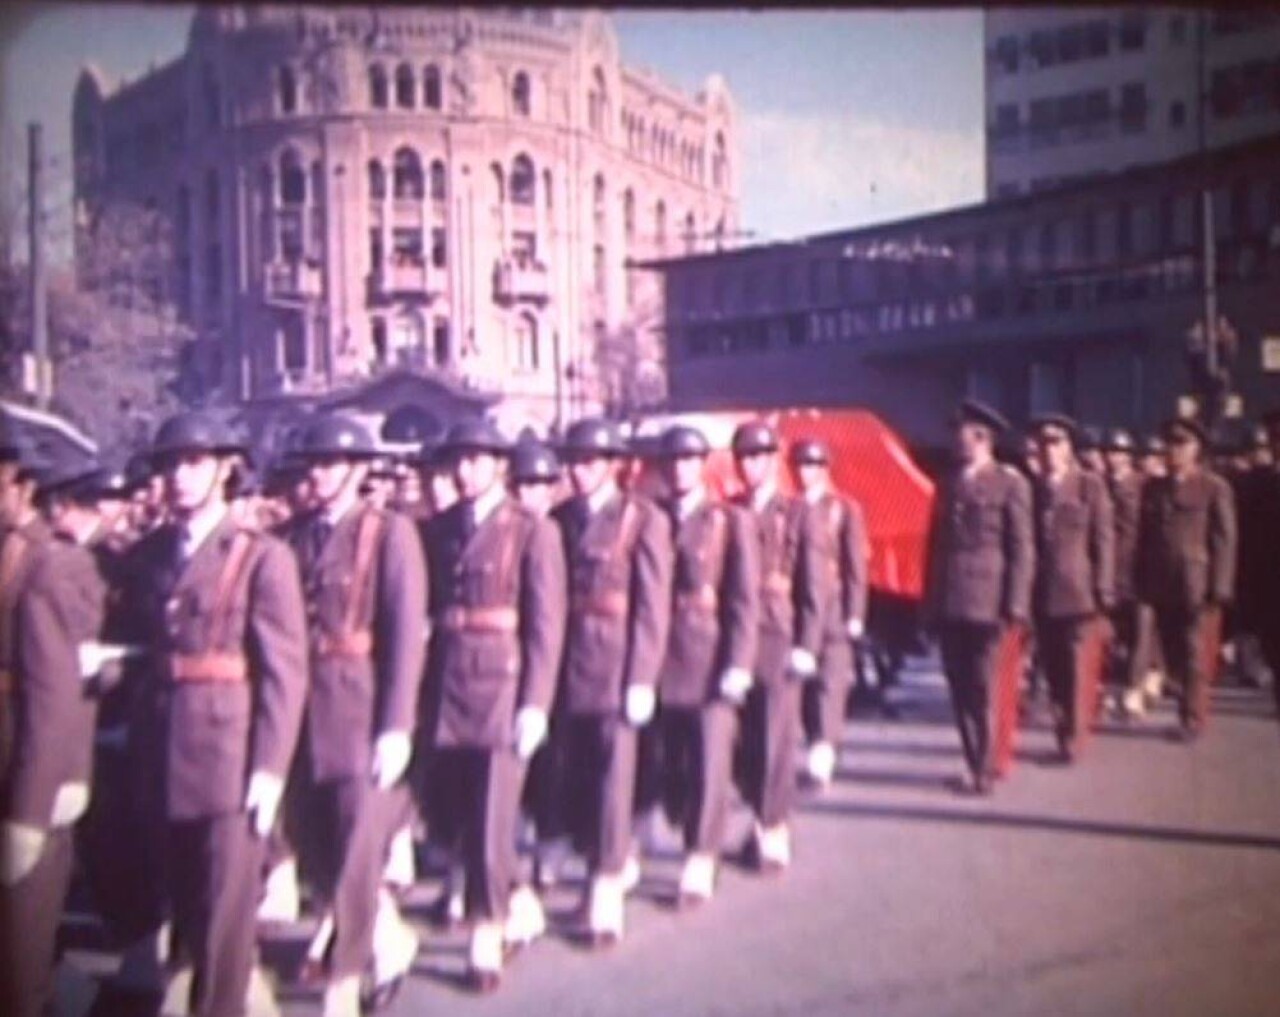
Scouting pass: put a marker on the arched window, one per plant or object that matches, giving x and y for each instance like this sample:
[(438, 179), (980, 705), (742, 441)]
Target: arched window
[(598, 102), (293, 179), (655, 143), (432, 89), (405, 87), (597, 202), (288, 90), (527, 351), (523, 181), (629, 214), (660, 224), (377, 181), (690, 233), (266, 217), (521, 97), (406, 174), (378, 86), (499, 180), (719, 163), (439, 183)]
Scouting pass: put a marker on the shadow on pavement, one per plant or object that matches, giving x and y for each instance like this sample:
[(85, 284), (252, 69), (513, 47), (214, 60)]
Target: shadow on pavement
[(923, 749), (892, 778)]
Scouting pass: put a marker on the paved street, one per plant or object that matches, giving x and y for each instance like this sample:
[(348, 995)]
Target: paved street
[(1146, 880)]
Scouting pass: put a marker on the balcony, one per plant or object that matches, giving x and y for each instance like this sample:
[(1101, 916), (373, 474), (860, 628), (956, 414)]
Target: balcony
[(517, 280), (404, 280), (291, 282)]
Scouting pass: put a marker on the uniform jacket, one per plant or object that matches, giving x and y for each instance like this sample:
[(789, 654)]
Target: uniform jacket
[(1075, 546), (845, 551), (60, 607), (208, 736), (478, 677), (1187, 541), (357, 693), (17, 547), (715, 603), (619, 567), (795, 581), (1126, 502), (981, 549)]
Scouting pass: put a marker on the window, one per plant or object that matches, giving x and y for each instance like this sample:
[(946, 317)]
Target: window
[(376, 252), (378, 335), (547, 191), (520, 96), (524, 247), (1178, 29), (719, 164), (629, 215), (597, 204), (527, 343), (432, 88), (597, 268), (293, 181), (439, 182), (1005, 54), (212, 97), (439, 247), (407, 175), (440, 340), (523, 181), (1177, 114), (597, 102), (660, 225), (288, 90), (378, 87), (690, 233), (406, 246), (404, 87), (377, 181), (1133, 32), (1133, 106)]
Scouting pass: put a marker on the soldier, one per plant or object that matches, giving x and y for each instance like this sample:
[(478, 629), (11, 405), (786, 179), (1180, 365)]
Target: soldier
[(1153, 457), (706, 671), (618, 548), (793, 597), (1268, 591), (364, 579), (219, 608), (57, 654), (435, 468), (844, 552), (534, 476), (1186, 564), (1074, 573), (981, 562), (498, 604)]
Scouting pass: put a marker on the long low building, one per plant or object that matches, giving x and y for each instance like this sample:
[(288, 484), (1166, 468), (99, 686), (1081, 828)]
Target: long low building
[(1083, 300)]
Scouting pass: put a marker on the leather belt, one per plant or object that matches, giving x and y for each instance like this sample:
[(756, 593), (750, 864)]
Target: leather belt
[(701, 598), (209, 667), (610, 604), (349, 644), (478, 619)]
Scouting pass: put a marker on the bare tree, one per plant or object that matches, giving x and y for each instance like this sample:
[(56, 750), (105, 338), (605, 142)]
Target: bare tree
[(630, 363)]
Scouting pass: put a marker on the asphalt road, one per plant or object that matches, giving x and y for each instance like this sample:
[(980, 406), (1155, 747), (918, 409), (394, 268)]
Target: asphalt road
[(1145, 879)]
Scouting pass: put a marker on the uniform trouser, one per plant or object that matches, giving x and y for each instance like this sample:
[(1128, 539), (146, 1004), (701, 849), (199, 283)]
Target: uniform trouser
[(600, 780), (696, 746), (823, 706), (969, 658), (1182, 635), (215, 869), (1062, 651), (1134, 645), (486, 787), (766, 758), (352, 823), (543, 797), (29, 917)]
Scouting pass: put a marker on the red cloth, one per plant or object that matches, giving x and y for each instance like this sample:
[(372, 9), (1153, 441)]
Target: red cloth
[(1010, 661)]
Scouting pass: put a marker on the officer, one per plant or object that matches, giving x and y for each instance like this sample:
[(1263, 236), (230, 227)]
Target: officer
[(1074, 578), (618, 547), (707, 668), (219, 609), (844, 552), (498, 609), (981, 562), (1187, 564), (794, 583)]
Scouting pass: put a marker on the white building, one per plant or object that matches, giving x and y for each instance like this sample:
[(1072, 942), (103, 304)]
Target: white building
[(458, 191), (1079, 92)]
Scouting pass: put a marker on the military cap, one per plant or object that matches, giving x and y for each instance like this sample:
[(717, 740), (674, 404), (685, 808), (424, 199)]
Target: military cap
[(810, 452), (1118, 440), (1063, 423), (1192, 426), (680, 441), (592, 437), (475, 435), (647, 446), (335, 435), (1088, 439), (1153, 446), (753, 438), (532, 462), (73, 479), (194, 431), (137, 471), (111, 480), (974, 411)]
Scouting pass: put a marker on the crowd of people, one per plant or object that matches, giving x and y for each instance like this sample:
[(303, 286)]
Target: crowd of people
[(217, 686)]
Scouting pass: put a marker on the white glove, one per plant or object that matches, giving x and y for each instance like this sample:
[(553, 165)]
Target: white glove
[(93, 657), (641, 701), (20, 848), (531, 730), (734, 684), (391, 754), (801, 662), (856, 628), (263, 800)]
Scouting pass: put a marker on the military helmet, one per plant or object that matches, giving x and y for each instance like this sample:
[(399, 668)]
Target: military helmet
[(195, 431), (810, 452), (591, 437), (335, 435), (532, 462), (753, 438), (1153, 446), (680, 440), (1118, 440), (111, 480), (137, 471), (72, 479), (1088, 439), (974, 411), (475, 435)]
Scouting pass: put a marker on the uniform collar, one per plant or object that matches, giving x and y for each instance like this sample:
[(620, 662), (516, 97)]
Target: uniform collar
[(762, 495), (483, 506), (335, 513), (196, 531), (687, 503), (601, 497)]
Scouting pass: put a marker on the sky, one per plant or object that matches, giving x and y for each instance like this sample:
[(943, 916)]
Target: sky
[(845, 117)]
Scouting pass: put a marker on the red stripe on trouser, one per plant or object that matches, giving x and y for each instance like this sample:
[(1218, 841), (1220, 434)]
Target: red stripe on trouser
[(1008, 672)]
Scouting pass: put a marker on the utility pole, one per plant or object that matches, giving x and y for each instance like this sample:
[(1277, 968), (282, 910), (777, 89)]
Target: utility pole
[(35, 234), (1213, 395)]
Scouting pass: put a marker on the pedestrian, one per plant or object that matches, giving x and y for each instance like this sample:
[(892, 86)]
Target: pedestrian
[(981, 562)]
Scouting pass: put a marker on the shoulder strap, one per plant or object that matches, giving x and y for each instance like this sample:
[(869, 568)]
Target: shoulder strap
[(228, 580), (367, 533)]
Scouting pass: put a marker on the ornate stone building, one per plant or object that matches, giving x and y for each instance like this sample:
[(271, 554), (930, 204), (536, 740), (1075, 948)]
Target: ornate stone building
[(354, 190)]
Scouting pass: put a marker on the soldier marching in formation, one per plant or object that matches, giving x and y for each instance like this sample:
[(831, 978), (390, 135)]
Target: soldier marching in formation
[(213, 679)]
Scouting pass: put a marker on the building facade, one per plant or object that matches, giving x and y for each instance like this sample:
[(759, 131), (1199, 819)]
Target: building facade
[(1072, 93), (355, 190), (1081, 299)]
